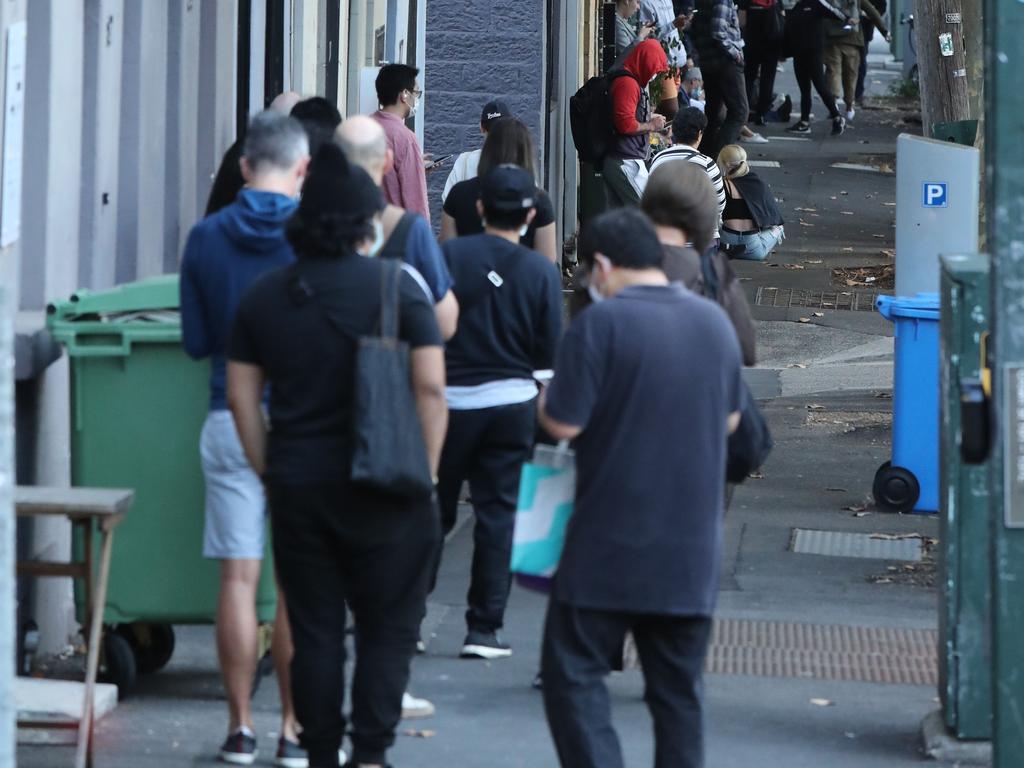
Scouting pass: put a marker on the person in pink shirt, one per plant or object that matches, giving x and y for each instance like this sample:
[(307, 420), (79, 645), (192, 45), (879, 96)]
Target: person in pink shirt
[(398, 94)]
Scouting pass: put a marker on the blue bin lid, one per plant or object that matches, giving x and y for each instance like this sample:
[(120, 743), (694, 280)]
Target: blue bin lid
[(923, 305)]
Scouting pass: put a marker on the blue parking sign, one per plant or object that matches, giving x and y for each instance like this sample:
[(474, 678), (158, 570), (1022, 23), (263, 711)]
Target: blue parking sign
[(935, 194)]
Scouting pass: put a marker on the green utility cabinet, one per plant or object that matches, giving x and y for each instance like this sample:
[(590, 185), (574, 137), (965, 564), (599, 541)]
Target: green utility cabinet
[(965, 652), (138, 404)]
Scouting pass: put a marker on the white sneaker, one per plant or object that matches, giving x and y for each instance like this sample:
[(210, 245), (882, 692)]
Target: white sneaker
[(413, 708), (756, 138), (849, 114)]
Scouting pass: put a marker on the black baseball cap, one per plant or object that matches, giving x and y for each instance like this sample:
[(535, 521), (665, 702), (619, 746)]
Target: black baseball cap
[(508, 188), (494, 110)]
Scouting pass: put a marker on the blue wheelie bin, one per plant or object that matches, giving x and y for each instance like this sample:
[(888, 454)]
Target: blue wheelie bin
[(910, 482)]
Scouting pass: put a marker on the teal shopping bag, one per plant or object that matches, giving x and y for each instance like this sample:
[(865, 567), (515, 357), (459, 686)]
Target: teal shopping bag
[(547, 489)]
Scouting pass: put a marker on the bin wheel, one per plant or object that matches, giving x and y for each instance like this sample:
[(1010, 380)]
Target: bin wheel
[(119, 665), (153, 644), (895, 488)]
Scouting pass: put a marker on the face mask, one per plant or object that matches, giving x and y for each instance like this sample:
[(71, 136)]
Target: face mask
[(378, 240), (413, 106), (523, 230), (696, 94), (595, 295)]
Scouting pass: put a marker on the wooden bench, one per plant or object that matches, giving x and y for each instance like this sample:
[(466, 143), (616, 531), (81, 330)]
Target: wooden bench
[(86, 508)]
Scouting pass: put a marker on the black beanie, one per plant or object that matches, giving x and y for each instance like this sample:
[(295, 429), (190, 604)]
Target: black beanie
[(335, 186)]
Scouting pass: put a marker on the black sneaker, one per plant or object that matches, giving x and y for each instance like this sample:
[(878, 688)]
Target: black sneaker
[(485, 645), (290, 755), (799, 127), (785, 111), (239, 748), (838, 125)]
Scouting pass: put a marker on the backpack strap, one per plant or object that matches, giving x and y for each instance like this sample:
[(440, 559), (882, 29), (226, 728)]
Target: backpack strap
[(394, 248)]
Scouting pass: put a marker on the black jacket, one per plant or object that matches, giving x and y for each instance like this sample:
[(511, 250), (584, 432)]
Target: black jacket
[(760, 199)]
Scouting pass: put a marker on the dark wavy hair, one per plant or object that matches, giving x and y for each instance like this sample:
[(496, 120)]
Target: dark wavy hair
[(326, 235)]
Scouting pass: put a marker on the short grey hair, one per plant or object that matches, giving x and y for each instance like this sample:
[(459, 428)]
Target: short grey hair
[(274, 141), (364, 142)]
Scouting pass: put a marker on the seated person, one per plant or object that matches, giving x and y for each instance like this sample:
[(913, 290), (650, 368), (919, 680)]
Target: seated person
[(751, 217)]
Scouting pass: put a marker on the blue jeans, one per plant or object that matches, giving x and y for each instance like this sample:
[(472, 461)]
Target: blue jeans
[(758, 243)]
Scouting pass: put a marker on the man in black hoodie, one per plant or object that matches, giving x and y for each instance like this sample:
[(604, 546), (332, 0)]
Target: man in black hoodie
[(510, 321)]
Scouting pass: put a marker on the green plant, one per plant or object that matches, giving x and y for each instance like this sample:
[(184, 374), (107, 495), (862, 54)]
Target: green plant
[(905, 89)]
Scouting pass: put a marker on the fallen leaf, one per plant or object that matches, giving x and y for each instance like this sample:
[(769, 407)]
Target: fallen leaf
[(861, 514), (847, 213), (843, 192), (888, 252), (880, 237), (815, 407), (887, 205), (805, 319), (868, 279), (416, 734), (814, 261), (899, 536), (758, 475), (856, 508), (848, 249), (822, 702), (837, 490), (809, 210), (793, 266), (883, 395), (819, 314), (805, 224), (796, 365), (833, 197), (851, 283)]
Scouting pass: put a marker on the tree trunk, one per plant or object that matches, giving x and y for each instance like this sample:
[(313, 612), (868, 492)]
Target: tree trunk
[(942, 60), (974, 36)]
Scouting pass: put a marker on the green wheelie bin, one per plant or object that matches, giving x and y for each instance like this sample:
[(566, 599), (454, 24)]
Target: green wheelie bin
[(138, 404)]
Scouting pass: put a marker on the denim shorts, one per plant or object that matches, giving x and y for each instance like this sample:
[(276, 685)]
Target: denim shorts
[(236, 507)]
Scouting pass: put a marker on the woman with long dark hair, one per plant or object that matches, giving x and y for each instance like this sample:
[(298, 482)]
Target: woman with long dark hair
[(337, 541), (508, 143)]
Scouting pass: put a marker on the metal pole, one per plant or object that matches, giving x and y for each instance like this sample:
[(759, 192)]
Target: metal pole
[(8, 608), (1004, 57)]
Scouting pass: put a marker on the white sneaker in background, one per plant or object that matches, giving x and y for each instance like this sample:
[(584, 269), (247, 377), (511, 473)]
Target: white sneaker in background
[(413, 708), (755, 138), (849, 114)]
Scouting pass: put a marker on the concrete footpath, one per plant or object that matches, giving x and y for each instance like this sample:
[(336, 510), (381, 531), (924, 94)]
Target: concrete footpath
[(824, 651)]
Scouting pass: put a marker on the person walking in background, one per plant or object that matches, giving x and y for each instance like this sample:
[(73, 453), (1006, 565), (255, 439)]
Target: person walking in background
[(626, 36), (762, 38), (399, 93), (508, 143), (407, 235), (716, 33), (869, 34), (669, 25), (805, 41), (511, 299), (337, 542), (681, 205), (466, 164), (320, 118), (650, 412), (225, 253), (687, 131), (844, 42), (751, 223), (625, 167)]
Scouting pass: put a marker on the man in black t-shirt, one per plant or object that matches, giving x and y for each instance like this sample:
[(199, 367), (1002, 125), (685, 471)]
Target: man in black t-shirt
[(509, 325), (647, 381)]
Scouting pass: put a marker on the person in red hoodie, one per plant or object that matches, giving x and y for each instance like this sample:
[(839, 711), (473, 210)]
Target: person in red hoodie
[(625, 167)]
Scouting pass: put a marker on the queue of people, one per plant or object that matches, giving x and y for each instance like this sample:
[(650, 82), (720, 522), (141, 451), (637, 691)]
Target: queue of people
[(317, 249)]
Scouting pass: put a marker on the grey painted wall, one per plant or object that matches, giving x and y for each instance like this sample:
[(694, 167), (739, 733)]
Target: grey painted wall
[(478, 50)]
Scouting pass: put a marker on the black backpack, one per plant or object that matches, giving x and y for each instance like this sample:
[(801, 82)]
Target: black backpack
[(590, 117)]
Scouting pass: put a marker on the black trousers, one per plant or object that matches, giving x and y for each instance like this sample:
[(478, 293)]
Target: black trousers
[(578, 644), (761, 57), (487, 446), (862, 73), (333, 545), (809, 68), (726, 106)]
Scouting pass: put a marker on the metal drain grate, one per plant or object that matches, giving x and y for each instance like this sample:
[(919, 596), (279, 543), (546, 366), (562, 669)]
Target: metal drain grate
[(823, 651), (857, 301), (844, 544)]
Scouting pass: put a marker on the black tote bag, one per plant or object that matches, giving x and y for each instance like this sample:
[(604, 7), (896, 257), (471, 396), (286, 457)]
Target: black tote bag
[(751, 443), (388, 453)]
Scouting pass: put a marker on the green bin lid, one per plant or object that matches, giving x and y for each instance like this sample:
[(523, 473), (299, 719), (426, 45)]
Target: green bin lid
[(107, 323)]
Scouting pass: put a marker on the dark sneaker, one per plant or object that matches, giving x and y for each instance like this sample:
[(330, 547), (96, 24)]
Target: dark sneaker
[(485, 645), (838, 125), (239, 748), (799, 127), (290, 755), (759, 120), (786, 109)]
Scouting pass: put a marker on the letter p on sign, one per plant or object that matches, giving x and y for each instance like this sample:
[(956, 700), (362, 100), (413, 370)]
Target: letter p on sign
[(936, 194)]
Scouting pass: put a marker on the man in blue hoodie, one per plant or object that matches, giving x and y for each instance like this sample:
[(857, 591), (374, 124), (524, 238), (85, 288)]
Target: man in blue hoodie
[(226, 252)]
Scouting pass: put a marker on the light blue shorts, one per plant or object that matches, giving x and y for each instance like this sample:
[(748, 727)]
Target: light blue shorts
[(236, 506)]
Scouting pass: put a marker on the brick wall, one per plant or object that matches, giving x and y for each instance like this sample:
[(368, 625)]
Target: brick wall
[(478, 50)]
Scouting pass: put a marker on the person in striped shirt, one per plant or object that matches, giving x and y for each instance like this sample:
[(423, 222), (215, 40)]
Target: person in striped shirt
[(687, 132)]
